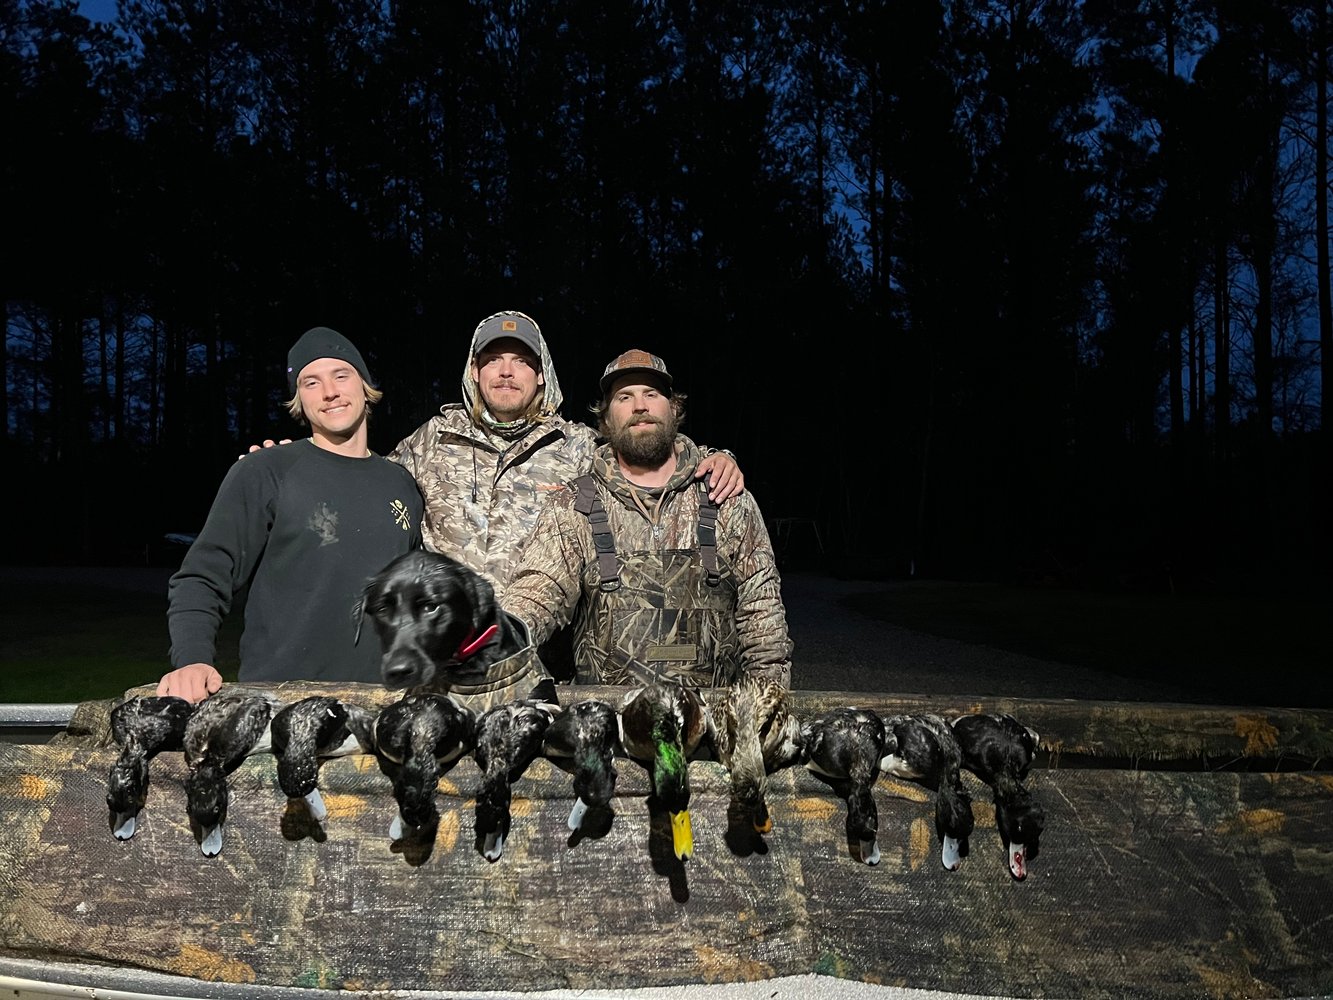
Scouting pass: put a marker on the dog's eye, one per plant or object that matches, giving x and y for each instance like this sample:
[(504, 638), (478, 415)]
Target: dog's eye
[(430, 608)]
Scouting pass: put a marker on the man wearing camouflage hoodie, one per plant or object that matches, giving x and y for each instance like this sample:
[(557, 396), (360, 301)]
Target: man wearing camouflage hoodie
[(643, 563), (485, 465)]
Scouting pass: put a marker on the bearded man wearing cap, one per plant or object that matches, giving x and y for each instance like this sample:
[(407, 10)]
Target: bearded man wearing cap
[(485, 465), (304, 526), (643, 564)]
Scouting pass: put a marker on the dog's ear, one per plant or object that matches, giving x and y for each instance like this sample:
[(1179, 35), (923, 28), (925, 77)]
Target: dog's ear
[(481, 595), (359, 608)]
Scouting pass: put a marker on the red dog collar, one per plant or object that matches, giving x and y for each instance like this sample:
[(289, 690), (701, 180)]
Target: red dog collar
[(474, 642)]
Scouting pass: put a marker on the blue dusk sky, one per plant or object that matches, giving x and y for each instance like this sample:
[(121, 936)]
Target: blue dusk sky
[(98, 10)]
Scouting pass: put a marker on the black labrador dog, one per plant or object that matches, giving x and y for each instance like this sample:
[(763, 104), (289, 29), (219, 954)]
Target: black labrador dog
[(442, 631)]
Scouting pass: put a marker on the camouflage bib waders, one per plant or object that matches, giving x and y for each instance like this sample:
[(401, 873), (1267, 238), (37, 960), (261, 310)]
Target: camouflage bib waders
[(673, 610)]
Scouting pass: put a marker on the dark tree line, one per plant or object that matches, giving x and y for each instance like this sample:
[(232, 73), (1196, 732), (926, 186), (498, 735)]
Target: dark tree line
[(1006, 289)]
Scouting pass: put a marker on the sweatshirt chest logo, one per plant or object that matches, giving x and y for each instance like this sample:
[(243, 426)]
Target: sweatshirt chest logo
[(324, 522), (401, 517)]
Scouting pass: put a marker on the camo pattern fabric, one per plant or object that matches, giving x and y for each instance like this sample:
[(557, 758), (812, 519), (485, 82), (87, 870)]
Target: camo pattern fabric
[(744, 628), (665, 616), (483, 493), (483, 485), (513, 677)]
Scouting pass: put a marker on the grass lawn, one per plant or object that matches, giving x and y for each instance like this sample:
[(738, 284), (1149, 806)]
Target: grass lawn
[(70, 644), (66, 643)]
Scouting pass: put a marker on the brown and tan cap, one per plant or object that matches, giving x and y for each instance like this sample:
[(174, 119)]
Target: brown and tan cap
[(507, 324), (635, 361)]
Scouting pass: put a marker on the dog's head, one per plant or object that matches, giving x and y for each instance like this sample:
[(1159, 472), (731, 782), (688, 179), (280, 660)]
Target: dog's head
[(426, 607)]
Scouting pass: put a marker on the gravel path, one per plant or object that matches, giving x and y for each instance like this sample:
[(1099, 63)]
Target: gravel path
[(838, 648)]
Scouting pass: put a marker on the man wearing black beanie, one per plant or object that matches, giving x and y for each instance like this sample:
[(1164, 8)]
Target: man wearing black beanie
[(304, 527)]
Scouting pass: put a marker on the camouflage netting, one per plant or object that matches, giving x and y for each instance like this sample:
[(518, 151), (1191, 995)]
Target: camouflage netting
[(1148, 884)]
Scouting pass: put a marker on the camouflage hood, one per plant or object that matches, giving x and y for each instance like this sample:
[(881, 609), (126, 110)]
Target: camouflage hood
[(552, 397), (607, 469)]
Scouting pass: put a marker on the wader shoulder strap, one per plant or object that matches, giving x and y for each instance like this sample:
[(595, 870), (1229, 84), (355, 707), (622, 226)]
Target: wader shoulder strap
[(589, 504), (708, 535)]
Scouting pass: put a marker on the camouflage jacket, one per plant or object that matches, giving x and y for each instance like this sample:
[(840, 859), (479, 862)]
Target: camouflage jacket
[(482, 492), (558, 582)]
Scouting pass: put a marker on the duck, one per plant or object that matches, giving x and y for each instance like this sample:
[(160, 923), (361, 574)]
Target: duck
[(221, 732), (418, 738), (663, 724), (586, 736), (845, 746), (756, 735), (999, 750), (142, 727), (509, 738), (302, 733), (922, 749)]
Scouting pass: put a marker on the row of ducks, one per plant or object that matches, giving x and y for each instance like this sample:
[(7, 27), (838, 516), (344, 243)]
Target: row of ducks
[(663, 724)]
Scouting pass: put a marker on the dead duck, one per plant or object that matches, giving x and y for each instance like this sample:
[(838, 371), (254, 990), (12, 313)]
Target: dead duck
[(999, 750), (509, 738), (221, 732), (419, 738), (756, 735), (586, 737), (142, 727), (846, 746), (303, 733), (922, 749), (663, 724)]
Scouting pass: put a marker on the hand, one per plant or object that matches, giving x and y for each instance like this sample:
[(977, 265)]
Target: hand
[(193, 682), (726, 479), (268, 443)]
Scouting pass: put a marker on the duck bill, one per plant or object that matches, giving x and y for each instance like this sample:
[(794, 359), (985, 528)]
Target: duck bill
[(682, 835), (762, 821)]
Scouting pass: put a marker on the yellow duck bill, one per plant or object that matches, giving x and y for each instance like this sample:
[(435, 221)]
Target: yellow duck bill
[(682, 835)]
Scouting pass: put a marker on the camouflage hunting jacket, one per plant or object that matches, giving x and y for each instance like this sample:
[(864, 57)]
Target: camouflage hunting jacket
[(663, 614), (482, 492)]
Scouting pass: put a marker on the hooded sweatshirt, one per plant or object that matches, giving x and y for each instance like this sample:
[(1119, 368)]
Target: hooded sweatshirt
[(484, 485)]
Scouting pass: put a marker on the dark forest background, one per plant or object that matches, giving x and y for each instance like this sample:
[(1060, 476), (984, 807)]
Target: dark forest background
[(997, 290)]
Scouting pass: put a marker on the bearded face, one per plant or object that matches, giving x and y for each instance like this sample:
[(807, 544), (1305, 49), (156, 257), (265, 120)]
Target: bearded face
[(644, 439)]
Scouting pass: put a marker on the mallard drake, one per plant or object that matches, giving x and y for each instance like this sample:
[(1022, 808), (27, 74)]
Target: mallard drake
[(302, 733), (221, 732), (922, 749), (142, 728), (999, 750), (586, 736), (663, 724), (509, 738), (756, 735), (846, 746), (419, 738)]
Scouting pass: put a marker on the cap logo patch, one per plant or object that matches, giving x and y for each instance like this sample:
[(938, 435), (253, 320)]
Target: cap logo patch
[(509, 326)]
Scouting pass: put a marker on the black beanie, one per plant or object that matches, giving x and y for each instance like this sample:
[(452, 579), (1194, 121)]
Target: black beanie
[(321, 342)]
